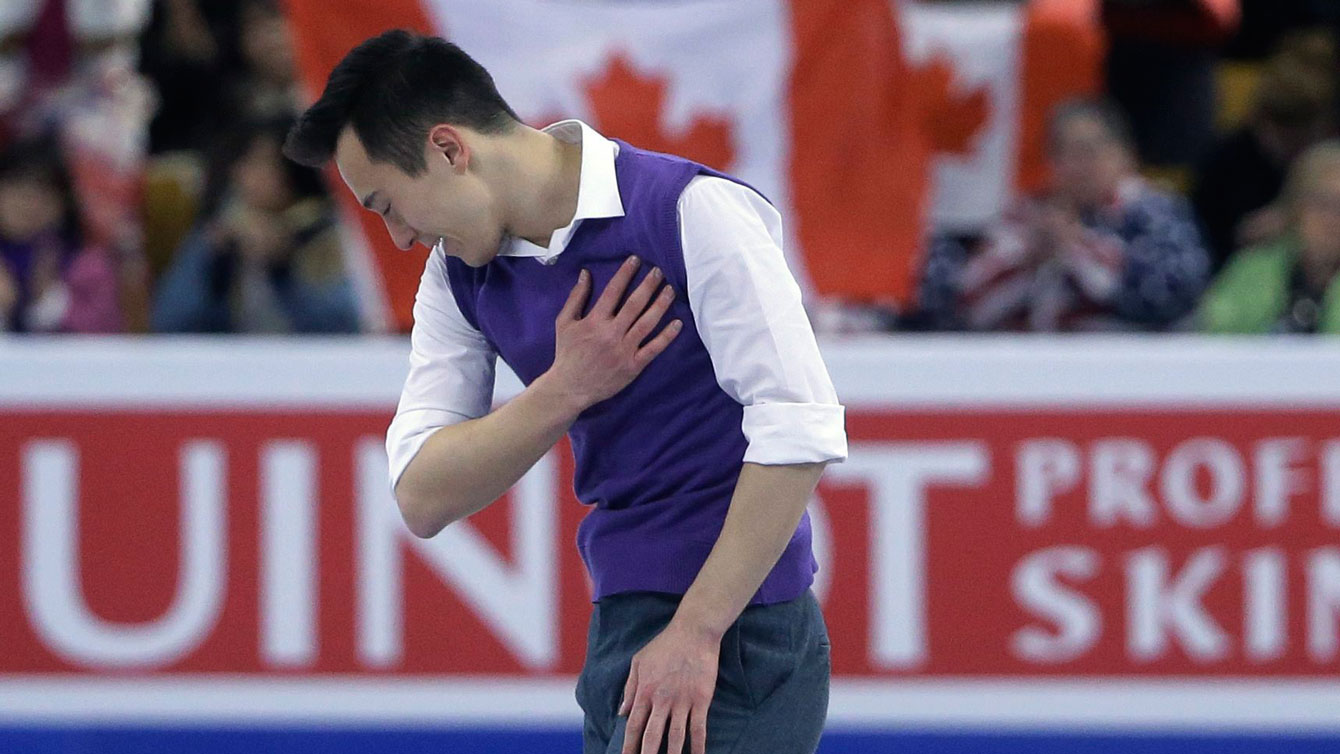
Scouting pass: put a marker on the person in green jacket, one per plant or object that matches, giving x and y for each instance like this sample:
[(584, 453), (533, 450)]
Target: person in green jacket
[(1292, 284)]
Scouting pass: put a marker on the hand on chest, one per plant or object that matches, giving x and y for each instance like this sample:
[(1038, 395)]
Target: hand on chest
[(521, 298)]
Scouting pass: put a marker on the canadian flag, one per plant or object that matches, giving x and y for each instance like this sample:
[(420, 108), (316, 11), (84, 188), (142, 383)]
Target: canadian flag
[(835, 109), (987, 76)]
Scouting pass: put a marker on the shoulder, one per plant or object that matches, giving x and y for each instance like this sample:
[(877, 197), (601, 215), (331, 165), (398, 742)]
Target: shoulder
[(1151, 198), (1250, 291), (716, 209), (706, 190), (1274, 256)]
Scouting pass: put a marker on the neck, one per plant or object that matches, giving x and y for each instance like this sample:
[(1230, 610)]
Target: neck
[(542, 177)]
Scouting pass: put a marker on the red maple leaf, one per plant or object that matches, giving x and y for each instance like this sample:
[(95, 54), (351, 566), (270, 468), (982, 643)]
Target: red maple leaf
[(631, 105), (952, 118)]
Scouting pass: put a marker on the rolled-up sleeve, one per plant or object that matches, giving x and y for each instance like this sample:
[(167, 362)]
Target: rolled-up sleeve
[(451, 370), (748, 311)]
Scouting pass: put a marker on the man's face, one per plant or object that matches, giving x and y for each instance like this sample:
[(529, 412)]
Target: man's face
[(1087, 162), (447, 202)]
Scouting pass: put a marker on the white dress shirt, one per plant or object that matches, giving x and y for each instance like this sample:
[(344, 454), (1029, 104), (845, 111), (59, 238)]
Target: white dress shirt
[(744, 300)]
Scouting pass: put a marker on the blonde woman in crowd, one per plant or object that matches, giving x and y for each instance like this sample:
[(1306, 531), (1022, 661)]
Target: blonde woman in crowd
[(1288, 285)]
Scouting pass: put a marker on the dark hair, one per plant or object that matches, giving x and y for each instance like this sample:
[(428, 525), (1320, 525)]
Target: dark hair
[(1106, 112), (304, 181), (392, 89)]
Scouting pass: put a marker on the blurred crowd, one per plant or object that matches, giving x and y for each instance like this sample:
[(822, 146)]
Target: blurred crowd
[(142, 188), (1214, 206)]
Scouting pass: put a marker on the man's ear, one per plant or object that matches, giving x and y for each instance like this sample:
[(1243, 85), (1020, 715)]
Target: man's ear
[(445, 142)]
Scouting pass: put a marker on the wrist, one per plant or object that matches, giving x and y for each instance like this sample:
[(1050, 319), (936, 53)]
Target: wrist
[(555, 393), (698, 623)]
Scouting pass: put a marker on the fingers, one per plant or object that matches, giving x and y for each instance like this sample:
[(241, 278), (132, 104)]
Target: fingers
[(651, 739), (674, 735), (572, 308), (653, 349), (637, 721), (649, 319), (609, 298), (629, 687), (637, 300), (698, 728)]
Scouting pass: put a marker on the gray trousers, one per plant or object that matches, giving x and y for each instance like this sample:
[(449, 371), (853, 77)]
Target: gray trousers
[(772, 678)]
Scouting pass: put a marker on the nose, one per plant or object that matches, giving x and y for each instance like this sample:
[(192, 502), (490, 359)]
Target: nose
[(401, 235)]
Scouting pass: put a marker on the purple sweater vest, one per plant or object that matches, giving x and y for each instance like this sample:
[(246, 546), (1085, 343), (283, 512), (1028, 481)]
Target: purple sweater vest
[(658, 461)]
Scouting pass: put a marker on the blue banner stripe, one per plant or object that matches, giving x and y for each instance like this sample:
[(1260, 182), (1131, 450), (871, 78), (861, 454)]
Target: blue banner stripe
[(34, 740)]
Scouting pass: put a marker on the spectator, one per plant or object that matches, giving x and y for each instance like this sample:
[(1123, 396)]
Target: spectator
[(1243, 174), (267, 87), (1102, 250), (1288, 285), (49, 281), (214, 64), (67, 68), (265, 257), (189, 52)]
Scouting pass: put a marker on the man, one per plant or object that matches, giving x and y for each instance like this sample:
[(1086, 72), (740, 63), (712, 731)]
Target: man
[(1101, 250), (698, 443)]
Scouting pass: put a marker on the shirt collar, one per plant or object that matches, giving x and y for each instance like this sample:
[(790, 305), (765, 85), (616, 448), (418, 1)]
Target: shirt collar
[(597, 189)]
